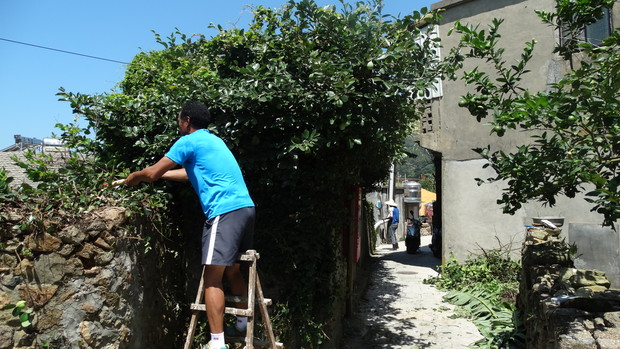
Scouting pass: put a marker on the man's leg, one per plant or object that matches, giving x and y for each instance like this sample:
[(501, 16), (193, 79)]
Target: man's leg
[(214, 297), (237, 283), (393, 229), (238, 287)]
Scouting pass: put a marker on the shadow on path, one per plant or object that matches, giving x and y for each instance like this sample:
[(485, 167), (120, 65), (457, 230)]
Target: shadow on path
[(381, 321), (399, 311), (424, 258)]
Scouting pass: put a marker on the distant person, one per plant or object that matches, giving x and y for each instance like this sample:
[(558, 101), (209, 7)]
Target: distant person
[(412, 240), (428, 209), (228, 231), (393, 217), (436, 239)]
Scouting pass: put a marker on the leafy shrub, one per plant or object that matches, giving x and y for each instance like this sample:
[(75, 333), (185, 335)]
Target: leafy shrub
[(312, 102), (5, 180), (484, 288)]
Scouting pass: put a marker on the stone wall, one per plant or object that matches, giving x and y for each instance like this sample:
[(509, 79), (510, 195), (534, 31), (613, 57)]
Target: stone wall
[(564, 307), (90, 285)]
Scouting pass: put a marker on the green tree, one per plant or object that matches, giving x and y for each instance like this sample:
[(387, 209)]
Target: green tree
[(416, 161), (575, 144), (312, 101)]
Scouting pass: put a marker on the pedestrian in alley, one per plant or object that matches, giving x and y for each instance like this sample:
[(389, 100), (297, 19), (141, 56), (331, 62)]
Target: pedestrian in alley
[(229, 228), (393, 216)]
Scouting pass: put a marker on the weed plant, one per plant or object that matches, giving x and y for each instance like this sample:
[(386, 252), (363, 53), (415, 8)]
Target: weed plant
[(484, 289)]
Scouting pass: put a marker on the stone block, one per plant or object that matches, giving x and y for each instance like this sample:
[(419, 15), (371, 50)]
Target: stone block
[(114, 216), (8, 260), (49, 316), (590, 278), (49, 268), (74, 267), (547, 253), (88, 251), (23, 339), (612, 319), (566, 274), (103, 244), (66, 250), (607, 339), (37, 295), (6, 337), (575, 336), (25, 268), (103, 258), (11, 280), (43, 242), (72, 235)]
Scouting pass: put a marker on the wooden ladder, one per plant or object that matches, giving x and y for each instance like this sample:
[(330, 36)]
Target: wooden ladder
[(255, 295)]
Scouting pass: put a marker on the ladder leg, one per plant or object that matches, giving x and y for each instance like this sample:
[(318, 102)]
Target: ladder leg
[(190, 331), (265, 314), (194, 318), (249, 336)]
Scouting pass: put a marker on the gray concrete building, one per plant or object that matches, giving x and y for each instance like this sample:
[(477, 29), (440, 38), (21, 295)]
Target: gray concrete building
[(471, 220)]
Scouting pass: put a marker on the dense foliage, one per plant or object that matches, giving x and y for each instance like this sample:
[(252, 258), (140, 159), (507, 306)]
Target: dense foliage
[(417, 163), (484, 288), (312, 102), (574, 145)]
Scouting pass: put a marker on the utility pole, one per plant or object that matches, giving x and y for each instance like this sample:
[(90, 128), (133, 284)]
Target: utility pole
[(392, 184)]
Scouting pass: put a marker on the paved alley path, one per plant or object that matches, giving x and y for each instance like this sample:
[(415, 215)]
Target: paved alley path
[(400, 311)]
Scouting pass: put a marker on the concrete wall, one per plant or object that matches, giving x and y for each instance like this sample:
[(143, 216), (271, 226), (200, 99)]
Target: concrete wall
[(471, 218), (459, 132)]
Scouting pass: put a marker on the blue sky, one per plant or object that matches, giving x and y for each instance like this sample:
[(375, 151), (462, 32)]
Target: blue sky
[(111, 29)]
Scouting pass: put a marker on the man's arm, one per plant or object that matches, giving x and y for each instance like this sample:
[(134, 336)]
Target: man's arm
[(151, 173), (178, 175)]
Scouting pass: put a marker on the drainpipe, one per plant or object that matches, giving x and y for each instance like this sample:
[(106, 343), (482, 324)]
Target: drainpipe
[(391, 186)]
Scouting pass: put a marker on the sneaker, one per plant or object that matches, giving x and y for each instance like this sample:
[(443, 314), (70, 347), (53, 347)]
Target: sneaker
[(212, 346), (233, 331)]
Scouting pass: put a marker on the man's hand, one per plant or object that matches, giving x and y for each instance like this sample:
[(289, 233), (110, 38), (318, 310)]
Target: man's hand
[(133, 179)]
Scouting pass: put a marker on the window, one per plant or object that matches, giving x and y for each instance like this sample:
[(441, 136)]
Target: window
[(596, 32), (435, 91), (593, 33)]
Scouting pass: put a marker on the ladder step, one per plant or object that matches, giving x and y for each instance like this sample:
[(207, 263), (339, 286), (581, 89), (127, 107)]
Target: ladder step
[(257, 342), (227, 310), (202, 307), (249, 256), (234, 299), (240, 312), (237, 299)]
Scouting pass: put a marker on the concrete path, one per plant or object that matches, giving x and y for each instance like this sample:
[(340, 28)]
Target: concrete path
[(400, 311)]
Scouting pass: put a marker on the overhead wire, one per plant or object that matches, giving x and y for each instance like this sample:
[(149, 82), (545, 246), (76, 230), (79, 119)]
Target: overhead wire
[(63, 51)]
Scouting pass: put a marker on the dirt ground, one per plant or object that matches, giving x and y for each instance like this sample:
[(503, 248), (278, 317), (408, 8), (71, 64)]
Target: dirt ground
[(399, 311)]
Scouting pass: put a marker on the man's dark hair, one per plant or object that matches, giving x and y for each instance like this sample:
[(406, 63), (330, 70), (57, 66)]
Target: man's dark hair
[(198, 113)]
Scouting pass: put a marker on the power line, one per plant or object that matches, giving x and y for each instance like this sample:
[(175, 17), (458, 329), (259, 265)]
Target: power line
[(63, 51)]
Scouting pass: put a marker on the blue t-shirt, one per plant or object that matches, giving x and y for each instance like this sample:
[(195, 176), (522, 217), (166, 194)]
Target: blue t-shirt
[(395, 215), (213, 171)]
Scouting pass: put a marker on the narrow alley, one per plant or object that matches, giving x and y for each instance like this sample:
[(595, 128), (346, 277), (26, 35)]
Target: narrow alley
[(400, 311)]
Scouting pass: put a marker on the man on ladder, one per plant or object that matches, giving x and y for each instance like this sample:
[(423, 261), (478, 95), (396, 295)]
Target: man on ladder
[(215, 175)]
